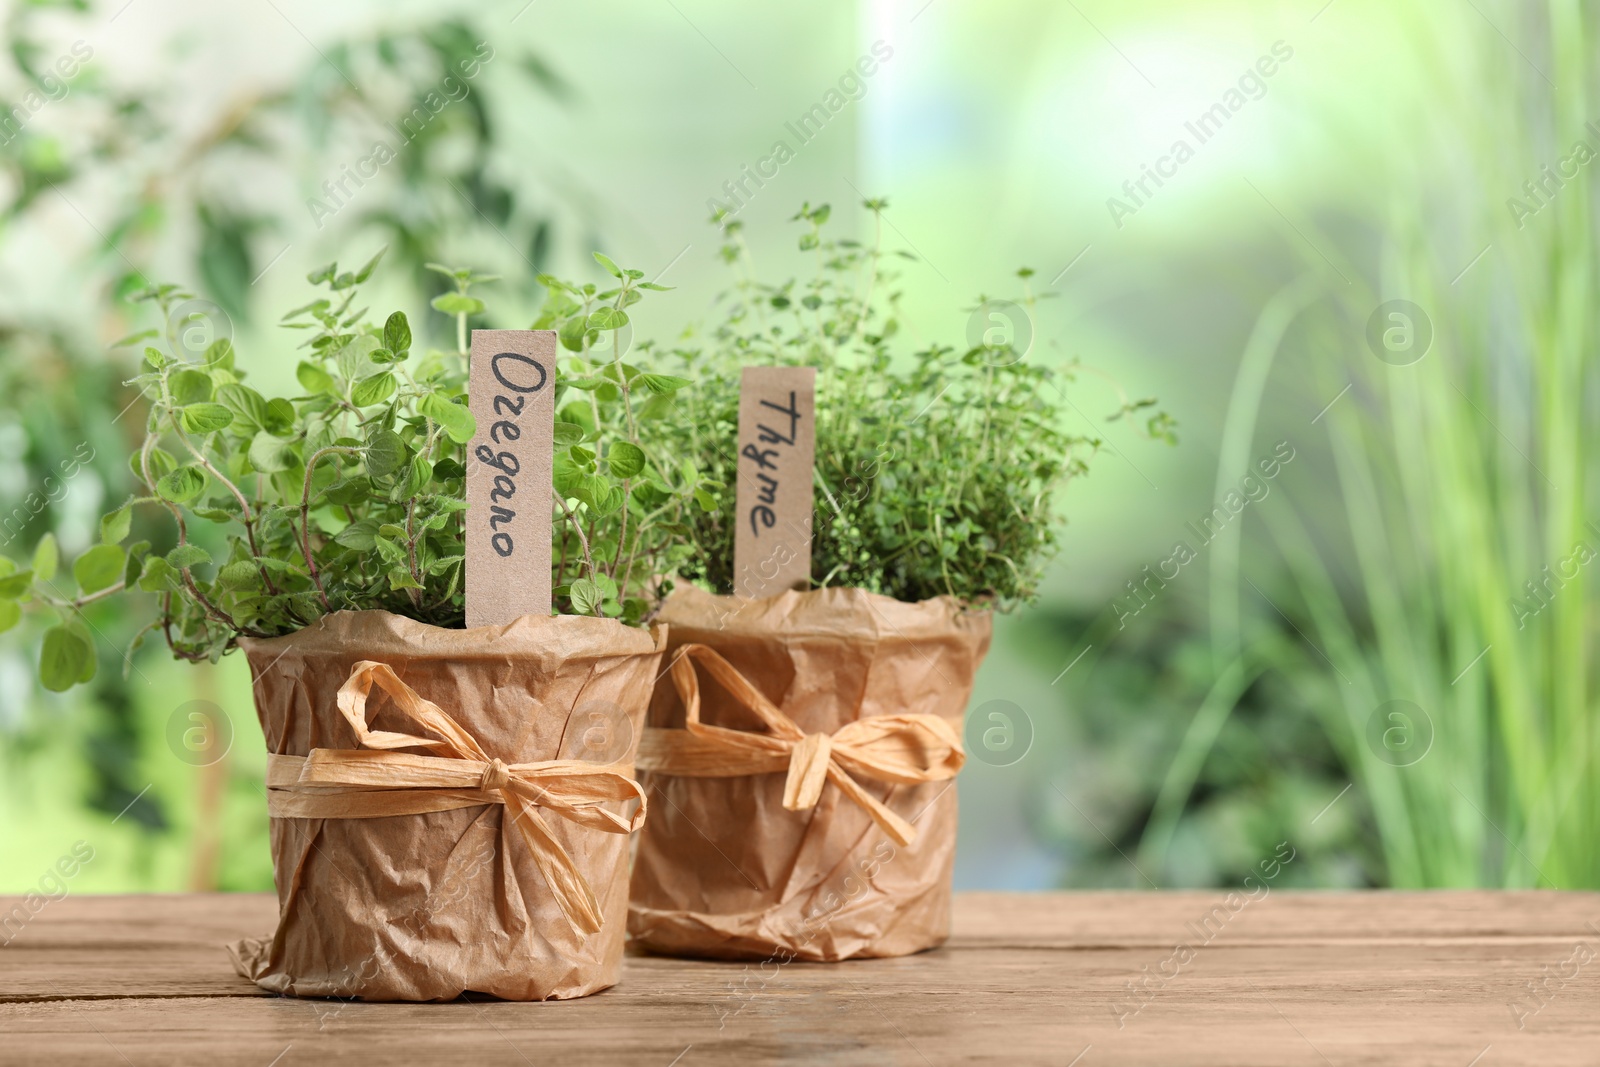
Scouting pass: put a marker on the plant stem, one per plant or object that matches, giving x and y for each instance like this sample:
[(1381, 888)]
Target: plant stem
[(211, 610), (872, 277), (78, 603), (305, 516), (573, 520), (561, 567), (622, 538), (411, 552), (622, 375), (166, 631), (246, 516)]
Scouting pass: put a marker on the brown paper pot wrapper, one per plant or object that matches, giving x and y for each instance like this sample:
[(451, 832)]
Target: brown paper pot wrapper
[(723, 869), (428, 906)]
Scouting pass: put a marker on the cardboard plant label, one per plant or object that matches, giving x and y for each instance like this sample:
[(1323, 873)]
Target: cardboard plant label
[(777, 450), (511, 391)]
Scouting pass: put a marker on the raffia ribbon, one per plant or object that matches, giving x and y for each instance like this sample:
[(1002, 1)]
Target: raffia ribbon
[(355, 784), (904, 749)]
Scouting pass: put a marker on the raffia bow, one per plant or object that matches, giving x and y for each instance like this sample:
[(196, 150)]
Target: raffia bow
[(904, 749), (359, 784)]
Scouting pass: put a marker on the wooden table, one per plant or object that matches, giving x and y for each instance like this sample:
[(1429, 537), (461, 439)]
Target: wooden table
[(1314, 978)]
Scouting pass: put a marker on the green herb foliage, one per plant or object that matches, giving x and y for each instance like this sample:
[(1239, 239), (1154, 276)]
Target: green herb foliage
[(351, 494), (937, 467), (621, 508)]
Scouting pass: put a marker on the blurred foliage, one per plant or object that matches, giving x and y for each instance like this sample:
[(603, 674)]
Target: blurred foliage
[(206, 198), (1270, 775), (409, 97), (1456, 577), (1425, 605)]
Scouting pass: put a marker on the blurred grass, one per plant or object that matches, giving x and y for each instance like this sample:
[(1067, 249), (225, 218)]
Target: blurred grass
[(1459, 478)]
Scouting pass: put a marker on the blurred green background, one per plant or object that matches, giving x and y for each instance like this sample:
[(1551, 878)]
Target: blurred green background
[(1377, 653)]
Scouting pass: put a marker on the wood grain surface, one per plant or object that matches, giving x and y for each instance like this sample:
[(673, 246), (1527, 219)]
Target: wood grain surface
[(1291, 978)]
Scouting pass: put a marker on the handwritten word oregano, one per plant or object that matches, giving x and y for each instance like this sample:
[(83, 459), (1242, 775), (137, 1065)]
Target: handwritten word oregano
[(511, 391)]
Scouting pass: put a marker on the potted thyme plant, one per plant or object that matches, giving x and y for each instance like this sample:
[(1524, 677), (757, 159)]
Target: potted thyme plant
[(450, 806), (937, 476)]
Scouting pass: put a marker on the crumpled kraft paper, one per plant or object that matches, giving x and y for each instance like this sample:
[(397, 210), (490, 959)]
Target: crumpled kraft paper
[(428, 906), (723, 869)]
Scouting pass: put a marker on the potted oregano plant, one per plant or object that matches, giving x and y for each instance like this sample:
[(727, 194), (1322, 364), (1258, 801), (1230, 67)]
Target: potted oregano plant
[(450, 806), (802, 752)]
